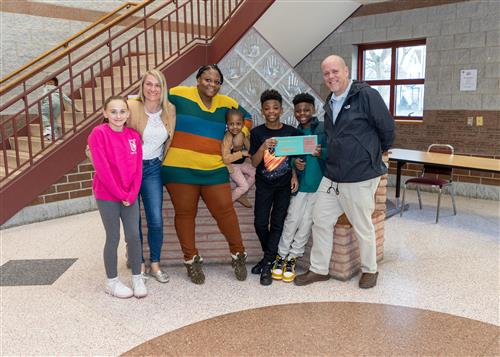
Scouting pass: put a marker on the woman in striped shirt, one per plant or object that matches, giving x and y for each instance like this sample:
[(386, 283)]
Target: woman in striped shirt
[(193, 168)]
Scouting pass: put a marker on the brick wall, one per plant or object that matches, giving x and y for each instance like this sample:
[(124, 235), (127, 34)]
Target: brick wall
[(76, 183), (474, 140)]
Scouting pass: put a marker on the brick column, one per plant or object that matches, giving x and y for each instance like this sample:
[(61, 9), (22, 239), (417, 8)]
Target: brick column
[(345, 262)]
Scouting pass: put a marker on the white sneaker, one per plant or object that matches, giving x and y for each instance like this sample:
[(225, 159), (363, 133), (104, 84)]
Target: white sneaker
[(139, 287), (115, 287), (47, 131)]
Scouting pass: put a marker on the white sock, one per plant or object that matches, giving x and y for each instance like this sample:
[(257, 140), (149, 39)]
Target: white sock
[(112, 281), (234, 256)]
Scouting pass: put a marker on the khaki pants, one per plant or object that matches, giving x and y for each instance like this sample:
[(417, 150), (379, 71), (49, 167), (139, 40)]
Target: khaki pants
[(298, 222), (357, 201)]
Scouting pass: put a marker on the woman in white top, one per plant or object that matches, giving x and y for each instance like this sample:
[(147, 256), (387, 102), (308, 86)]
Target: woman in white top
[(153, 116)]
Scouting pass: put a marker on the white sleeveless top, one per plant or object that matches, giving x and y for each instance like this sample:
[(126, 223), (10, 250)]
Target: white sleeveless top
[(154, 136)]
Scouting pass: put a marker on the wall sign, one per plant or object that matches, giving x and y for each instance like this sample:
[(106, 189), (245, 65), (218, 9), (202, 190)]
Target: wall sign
[(468, 80)]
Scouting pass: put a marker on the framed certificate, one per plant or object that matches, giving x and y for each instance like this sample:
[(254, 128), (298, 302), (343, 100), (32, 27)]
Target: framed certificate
[(295, 145)]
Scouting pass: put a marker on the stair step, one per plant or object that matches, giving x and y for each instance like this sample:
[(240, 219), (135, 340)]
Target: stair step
[(89, 108), (106, 81), (11, 158), (35, 130), (142, 59), (68, 122), (22, 141), (133, 68), (96, 91), (11, 174)]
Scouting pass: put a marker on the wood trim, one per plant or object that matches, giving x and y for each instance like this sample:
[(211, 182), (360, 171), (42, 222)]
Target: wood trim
[(399, 5)]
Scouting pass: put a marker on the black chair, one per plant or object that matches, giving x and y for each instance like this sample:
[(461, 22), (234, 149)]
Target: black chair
[(435, 176)]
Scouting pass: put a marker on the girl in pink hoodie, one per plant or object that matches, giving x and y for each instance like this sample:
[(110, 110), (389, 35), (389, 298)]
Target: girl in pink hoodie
[(116, 152)]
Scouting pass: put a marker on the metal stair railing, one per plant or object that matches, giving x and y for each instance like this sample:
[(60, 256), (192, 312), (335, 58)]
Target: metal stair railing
[(110, 61)]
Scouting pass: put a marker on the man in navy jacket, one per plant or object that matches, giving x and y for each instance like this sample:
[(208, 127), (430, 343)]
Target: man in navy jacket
[(359, 129)]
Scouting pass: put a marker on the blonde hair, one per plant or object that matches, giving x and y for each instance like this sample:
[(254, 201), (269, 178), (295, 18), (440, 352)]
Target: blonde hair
[(164, 90)]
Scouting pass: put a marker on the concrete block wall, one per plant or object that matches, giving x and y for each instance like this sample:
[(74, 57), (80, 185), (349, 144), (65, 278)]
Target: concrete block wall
[(462, 35), (42, 34), (459, 35)]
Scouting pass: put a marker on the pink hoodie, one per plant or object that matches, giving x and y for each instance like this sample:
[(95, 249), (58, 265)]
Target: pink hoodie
[(117, 159)]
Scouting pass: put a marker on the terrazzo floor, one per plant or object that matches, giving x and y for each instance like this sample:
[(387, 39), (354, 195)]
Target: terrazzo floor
[(451, 268)]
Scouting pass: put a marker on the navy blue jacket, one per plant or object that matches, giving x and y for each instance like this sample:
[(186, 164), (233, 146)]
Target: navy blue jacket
[(363, 130)]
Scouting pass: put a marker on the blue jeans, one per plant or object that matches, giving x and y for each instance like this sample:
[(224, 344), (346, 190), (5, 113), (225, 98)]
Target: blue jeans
[(151, 194)]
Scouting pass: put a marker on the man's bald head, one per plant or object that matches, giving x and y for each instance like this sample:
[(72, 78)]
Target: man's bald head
[(335, 74), (334, 58)]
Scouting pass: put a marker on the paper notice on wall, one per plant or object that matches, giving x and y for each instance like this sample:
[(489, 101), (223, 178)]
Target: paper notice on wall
[(468, 80)]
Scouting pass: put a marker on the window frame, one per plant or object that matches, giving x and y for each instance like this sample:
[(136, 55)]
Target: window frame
[(392, 82)]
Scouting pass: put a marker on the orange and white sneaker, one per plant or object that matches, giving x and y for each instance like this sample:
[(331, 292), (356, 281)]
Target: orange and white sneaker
[(277, 271), (289, 273)]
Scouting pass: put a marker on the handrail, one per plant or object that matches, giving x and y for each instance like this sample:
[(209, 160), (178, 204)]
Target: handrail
[(174, 36), (66, 42), (72, 47), (26, 105)]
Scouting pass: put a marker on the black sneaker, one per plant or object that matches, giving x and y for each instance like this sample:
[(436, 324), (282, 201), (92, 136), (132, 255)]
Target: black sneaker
[(194, 270), (266, 276), (278, 266), (257, 268), (239, 265)]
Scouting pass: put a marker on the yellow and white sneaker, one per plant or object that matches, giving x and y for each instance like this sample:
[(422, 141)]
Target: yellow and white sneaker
[(277, 271), (289, 273)]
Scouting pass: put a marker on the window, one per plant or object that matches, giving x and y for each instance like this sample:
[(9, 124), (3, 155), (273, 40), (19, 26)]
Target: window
[(397, 71)]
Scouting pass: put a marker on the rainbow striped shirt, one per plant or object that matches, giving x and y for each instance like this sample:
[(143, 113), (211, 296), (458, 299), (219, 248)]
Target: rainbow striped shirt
[(194, 157)]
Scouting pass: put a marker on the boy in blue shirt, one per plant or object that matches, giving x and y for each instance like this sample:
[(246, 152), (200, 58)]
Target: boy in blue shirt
[(298, 223)]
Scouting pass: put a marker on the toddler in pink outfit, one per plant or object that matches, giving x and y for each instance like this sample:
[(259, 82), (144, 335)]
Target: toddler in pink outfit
[(235, 155)]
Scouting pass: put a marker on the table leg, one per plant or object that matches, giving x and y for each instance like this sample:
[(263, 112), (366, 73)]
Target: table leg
[(398, 179), (395, 208)]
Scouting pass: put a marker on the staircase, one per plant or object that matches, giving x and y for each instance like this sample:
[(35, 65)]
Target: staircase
[(175, 37)]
